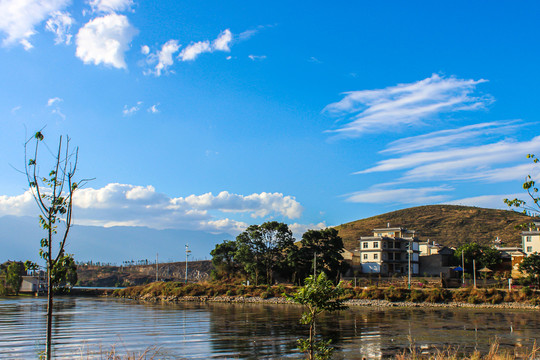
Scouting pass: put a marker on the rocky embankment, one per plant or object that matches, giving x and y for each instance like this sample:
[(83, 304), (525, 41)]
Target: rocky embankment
[(438, 298)]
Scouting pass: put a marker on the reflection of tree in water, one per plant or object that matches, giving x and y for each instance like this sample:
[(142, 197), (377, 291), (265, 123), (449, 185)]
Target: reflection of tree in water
[(254, 330)]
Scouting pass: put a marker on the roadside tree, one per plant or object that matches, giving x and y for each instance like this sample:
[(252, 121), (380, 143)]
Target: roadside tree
[(225, 266), (14, 273), (531, 265), (321, 249), (262, 250)]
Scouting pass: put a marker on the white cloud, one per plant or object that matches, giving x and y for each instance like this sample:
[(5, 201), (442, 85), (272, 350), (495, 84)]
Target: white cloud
[(145, 50), (53, 101), (299, 229), (404, 104), (130, 205), (223, 40), (128, 111), (221, 43), (452, 137), (153, 109), (165, 56), (19, 205), (60, 25), (20, 17), (15, 109), (257, 57), (379, 194), (104, 40), (464, 163), (110, 6), (192, 51)]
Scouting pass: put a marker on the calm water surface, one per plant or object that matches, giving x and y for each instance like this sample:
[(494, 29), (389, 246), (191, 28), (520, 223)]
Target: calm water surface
[(85, 326)]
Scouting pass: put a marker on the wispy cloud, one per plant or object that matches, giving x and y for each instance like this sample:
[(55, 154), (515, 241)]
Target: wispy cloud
[(405, 104), (256, 57), (110, 6), (485, 162), (105, 40), (390, 195), (20, 18), (153, 109), (441, 138), (53, 101), (60, 24), (131, 110)]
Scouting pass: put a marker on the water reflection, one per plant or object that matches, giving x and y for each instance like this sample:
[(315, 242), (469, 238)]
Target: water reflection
[(250, 331)]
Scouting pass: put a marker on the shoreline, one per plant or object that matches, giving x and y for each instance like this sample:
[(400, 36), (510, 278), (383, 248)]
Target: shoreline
[(351, 302)]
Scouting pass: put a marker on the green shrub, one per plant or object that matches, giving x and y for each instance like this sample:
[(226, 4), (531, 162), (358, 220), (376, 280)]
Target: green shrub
[(416, 296), (265, 295)]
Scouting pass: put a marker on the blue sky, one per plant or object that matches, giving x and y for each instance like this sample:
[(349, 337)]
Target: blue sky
[(214, 115)]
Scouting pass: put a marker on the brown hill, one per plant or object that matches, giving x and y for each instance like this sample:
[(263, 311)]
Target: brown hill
[(449, 225)]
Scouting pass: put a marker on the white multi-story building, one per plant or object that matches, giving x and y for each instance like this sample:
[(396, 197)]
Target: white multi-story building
[(387, 251), (530, 239)]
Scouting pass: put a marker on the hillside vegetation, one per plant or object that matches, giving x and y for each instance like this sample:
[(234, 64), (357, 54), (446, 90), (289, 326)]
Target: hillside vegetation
[(449, 225)]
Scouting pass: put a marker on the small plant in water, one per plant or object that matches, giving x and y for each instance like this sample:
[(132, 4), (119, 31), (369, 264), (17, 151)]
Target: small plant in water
[(317, 295)]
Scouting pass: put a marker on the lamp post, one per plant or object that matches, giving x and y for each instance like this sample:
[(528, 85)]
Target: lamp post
[(187, 254), (409, 253)]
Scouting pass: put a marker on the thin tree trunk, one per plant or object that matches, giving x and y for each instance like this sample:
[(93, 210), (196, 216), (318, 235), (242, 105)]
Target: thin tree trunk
[(49, 313)]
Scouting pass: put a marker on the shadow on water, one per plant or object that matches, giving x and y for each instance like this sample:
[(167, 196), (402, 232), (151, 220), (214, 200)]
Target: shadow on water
[(250, 331)]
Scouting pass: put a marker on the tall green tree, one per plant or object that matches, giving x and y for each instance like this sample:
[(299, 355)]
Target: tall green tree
[(225, 266), (321, 249), (14, 273), (531, 265), (262, 250), (53, 194), (484, 256), (317, 296)]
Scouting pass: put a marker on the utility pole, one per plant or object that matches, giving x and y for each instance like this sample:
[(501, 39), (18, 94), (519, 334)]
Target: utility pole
[(157, 267), (187, 254), (463, 266), (474, 271)]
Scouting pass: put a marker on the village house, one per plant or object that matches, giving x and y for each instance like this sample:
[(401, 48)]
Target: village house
[(387, 251), (530, 239)]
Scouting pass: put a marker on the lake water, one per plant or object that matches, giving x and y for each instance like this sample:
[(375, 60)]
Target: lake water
[(84, 327)]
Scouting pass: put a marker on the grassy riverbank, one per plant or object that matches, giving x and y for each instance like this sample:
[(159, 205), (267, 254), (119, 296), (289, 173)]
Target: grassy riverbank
[(177, 291)]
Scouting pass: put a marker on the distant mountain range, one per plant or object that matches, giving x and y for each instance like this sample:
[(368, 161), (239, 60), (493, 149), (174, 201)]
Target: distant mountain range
[(449, 225), (20, 237)]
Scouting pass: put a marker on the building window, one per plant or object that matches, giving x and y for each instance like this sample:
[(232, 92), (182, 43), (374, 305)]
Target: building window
[(397, 256), (375, 245), (375, 256), (529, 238), (529, 248), (365, 256), (365, 245), (384, 244), (379, 234)]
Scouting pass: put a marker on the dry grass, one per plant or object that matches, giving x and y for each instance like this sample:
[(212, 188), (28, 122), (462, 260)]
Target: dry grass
[(150, 353), (495, 353)]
